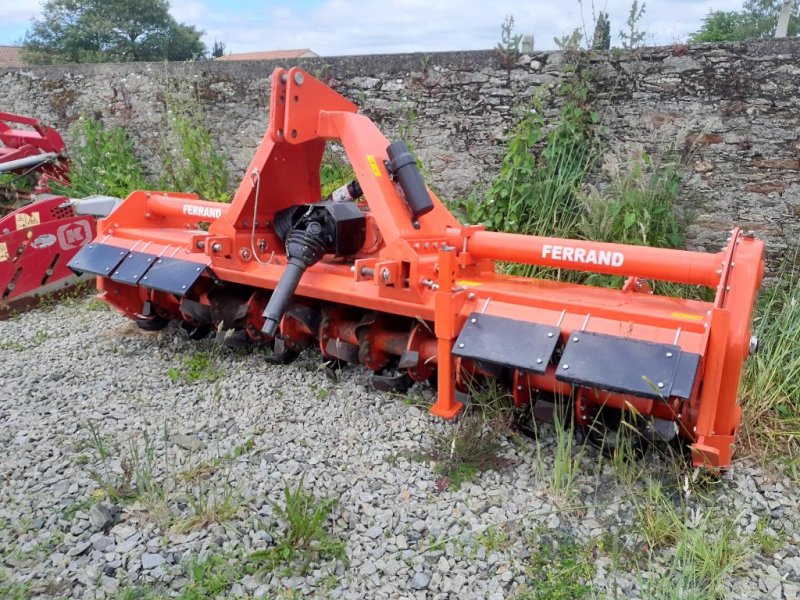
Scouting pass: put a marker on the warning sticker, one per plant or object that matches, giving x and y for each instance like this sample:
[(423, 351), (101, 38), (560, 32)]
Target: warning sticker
[(687, 316), (3, 252), (24, 220), (468, 283), (374, 164)]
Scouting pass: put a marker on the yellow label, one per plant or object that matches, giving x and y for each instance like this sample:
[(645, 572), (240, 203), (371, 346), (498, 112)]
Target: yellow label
[(374, 164), (687, 316), (3, 252), (468, 283), (24, 220)]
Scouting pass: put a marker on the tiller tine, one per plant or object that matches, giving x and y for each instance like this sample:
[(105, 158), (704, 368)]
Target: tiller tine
[(381, 274)]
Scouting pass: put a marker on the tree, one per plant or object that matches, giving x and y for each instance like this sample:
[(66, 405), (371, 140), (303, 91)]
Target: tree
[(601, 40), (218, 50), (109, 31), (757, 19)]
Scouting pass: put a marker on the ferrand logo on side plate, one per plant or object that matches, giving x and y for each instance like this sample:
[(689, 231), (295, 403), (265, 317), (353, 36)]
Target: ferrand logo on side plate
[(582, 255)]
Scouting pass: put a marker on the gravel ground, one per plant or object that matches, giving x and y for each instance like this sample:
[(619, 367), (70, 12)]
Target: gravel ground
[(85, 393)]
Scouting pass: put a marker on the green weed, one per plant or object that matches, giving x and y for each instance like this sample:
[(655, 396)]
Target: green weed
[(771, 381), (304, 538), (507, 49), (198, 366), (211, 578), (559, 569), (209, 505), (136, 478), (102, 161), (197, 473), (704, 556), (68, 513), (567, 457), (657, 517), (469, 448), (537, 189), (494, 539), (638, 206), (768, 542), (334, 172), (189, 153), (473, 444), (15, 591), (96, 305)]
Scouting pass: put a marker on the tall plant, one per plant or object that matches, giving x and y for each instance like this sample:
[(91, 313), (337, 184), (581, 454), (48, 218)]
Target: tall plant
[(102, 161), (537, 189), (191, 160)]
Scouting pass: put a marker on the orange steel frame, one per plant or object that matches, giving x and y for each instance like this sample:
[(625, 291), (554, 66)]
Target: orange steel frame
[(438, 273)]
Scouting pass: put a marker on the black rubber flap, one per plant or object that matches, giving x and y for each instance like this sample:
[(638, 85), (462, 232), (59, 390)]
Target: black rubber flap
[(507, 342), (172, 275), (133, 268), (97, 259), (627, 366)]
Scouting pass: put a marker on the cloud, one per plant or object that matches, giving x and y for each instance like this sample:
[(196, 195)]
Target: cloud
[(337, 27), (18, 10), (189, 11), (334, 27)]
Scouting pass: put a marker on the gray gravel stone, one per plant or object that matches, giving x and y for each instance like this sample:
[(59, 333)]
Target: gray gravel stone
[(389, 512), (100, 516), (151, 561), (420, 581)]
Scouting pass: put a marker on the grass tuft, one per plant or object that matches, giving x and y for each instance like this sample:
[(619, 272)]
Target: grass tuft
[(559, 569), (474, 444), (304, 538), (771, 383), (198, 366)]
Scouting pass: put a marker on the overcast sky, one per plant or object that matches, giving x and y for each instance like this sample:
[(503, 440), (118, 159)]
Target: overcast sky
[(336, 27)]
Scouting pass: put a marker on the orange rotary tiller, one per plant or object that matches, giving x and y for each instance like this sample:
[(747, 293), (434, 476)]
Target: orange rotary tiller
[(381, 274)]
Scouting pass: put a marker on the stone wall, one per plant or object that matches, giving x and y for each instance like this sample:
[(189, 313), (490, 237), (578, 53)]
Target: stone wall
[(732, 110)]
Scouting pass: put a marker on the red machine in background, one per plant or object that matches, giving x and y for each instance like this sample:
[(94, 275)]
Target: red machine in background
[(383, 275), (27, 146), (39, 232)]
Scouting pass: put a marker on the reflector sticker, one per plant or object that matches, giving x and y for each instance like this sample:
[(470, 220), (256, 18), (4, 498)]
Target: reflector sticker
[(374, 164), (3, 252), (680, 315), (468, 283), (24, 220)]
